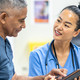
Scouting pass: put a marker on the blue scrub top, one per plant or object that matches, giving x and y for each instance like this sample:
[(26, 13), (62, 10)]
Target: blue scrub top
[(6, 64), (37, 60)]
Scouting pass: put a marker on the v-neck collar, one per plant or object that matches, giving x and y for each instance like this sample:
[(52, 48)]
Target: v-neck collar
[(51, 56)]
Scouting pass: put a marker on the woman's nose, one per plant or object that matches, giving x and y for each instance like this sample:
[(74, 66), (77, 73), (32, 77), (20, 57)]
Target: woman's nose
[(60, 27)]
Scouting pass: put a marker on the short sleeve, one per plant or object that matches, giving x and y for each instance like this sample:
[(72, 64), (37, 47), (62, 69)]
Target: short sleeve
[(34, 64)]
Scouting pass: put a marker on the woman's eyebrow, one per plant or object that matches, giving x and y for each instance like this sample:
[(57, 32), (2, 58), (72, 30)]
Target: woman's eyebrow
[(66, 21), (60, 17)]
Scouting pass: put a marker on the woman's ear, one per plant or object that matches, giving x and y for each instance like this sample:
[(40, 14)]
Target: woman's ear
[(76, 33), (2, 17)]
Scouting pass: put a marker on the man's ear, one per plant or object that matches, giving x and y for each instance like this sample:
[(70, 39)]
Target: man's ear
[(76, 33), (2, 17)]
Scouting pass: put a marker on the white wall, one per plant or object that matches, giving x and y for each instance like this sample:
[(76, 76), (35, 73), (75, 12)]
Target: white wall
[(35, 32)]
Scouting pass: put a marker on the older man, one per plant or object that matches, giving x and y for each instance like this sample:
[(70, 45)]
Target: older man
[(12, 20)]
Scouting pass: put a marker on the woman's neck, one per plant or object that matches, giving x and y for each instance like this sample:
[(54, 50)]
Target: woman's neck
[(62, 50), (62, 47)]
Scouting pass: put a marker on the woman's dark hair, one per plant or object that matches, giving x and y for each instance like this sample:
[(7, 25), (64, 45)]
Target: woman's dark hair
[(76, 10)]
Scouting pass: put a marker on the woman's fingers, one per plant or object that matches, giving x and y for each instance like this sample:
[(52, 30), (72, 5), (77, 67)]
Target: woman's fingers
[(49, 77), (64, 71)]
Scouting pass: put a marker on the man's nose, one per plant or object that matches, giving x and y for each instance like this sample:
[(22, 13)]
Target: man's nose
[(23, 25)]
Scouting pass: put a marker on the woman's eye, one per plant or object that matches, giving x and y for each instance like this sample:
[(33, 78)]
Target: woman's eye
[(66, 25), (58, 20)]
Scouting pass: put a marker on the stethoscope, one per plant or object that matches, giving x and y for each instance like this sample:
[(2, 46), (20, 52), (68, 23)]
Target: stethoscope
[(57, 64)]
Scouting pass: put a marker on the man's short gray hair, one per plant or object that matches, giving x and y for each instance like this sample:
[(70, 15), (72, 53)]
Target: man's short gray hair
[(17, 4)]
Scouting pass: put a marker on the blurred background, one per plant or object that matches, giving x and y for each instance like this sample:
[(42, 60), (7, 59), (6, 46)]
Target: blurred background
[(39, 30)]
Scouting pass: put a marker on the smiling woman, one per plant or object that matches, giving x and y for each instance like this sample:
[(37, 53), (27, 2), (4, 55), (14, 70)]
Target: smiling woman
[(60, 53), (65, 25)]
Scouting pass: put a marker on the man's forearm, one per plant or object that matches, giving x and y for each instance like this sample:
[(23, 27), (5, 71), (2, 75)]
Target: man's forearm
[(16, 77), (30, 78)]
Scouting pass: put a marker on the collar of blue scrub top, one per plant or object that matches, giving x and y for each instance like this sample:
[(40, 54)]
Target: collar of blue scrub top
[(3, 42), (51, 55)]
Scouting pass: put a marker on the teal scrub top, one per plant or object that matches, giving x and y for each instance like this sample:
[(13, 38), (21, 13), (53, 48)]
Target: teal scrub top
[(6, 63), (37, 60)]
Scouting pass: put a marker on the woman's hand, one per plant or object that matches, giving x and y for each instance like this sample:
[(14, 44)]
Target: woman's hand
[(56, 74), (49, 77)]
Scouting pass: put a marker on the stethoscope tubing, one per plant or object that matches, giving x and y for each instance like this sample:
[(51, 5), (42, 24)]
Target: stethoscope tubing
[(46, 63)]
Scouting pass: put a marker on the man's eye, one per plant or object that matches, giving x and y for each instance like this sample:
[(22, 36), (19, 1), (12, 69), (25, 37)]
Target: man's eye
[(21, 20)]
